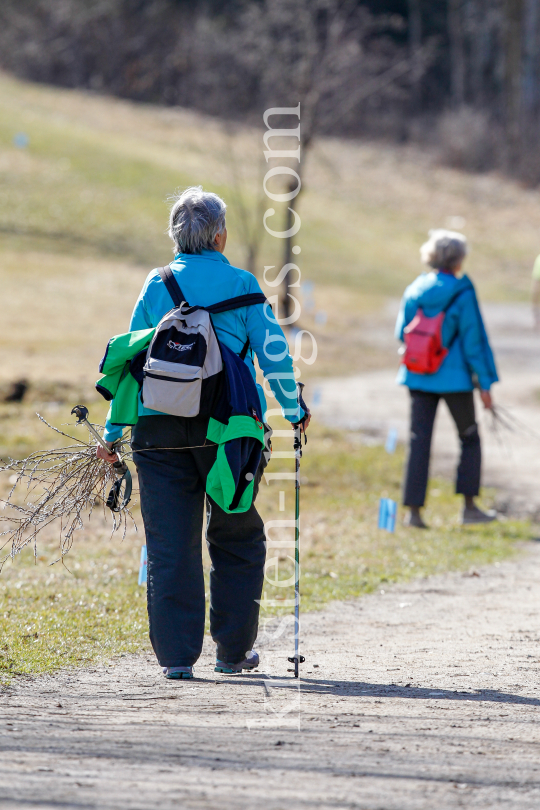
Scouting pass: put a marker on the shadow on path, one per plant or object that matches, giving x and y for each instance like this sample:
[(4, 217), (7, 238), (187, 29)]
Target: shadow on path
[(359, 689)]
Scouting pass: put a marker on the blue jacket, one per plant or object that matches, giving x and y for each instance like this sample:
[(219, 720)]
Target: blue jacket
[(470, 353), (206, 279)]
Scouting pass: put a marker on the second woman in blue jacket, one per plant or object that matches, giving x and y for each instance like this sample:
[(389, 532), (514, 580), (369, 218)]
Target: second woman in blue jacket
[(468, 364)]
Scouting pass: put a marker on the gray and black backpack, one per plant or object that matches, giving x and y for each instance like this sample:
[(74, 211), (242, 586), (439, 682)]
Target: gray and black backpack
[(183, 371)]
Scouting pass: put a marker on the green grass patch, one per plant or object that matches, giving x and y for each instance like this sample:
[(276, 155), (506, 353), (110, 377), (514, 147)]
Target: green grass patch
[(54, 617)]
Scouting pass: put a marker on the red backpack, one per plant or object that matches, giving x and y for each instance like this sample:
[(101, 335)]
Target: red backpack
[(424, 350)]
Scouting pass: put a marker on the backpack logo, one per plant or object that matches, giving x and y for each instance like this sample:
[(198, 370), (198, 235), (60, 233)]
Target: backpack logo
[(180, 347)]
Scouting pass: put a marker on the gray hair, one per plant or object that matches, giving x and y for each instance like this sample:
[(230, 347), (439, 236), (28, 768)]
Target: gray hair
[(196, 218), (444, 250)]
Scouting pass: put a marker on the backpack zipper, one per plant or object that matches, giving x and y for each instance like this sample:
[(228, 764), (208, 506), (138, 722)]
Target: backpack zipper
[(168, 379)]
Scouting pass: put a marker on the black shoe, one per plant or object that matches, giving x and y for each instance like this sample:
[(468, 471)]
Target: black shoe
[(415, 521), (251, 661)]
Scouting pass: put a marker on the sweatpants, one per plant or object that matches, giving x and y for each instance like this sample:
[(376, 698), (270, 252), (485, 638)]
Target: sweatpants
[(423, 410), (172, 492)]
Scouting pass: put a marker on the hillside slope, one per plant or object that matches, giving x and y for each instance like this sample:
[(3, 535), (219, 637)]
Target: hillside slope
[(96, 173), (83, 215)]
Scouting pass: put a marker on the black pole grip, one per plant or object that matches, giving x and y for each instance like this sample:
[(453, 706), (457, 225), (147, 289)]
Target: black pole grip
[(81, 412)]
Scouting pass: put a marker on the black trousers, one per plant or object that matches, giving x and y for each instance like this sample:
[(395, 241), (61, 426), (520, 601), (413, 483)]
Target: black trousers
[(423, 410), (172, 490)]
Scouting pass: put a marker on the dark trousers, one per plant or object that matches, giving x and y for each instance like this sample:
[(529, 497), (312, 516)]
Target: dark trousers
[(423, 410), (172, 490)]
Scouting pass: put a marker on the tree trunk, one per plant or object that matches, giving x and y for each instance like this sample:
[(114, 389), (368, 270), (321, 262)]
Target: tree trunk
[(480, 35), (514, 10), (457, 52), (531, 61), (415, 43), (287, 255)]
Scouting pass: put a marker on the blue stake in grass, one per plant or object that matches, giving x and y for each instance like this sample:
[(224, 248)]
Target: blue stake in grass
[(307, 291), (391, 441), (21, 140), (142, 567), (387, 514)]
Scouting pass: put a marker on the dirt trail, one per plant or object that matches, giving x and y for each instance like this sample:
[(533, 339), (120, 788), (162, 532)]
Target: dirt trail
[(511, 462), (420, 696)]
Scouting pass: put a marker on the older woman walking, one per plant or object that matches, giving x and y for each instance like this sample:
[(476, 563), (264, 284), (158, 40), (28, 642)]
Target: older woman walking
[(467, 362), (174, 459)]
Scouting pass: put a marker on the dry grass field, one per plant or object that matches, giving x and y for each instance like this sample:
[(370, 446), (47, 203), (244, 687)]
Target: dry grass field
[(83, 215)]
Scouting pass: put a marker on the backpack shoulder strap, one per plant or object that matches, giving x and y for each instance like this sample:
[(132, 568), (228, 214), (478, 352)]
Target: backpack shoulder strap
[(245, 349), (174, 290), (173, 287), (248, 300), (449, 304)]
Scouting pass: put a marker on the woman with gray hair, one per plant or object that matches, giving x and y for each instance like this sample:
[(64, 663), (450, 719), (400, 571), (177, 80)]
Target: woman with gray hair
[(174, 458), (467, 363)]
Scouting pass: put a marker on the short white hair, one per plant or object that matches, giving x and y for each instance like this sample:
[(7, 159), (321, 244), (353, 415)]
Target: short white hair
[(196, 218), (444, 250)]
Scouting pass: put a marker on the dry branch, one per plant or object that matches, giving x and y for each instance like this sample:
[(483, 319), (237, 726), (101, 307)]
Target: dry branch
[(63, 485)]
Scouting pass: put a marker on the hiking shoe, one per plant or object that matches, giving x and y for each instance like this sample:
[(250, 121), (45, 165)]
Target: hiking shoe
[(251, 661), (475, 515), (178, 673), (414, 520)]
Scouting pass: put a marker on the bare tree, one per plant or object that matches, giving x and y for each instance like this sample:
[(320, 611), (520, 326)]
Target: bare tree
[(325, 56), (247, 198)]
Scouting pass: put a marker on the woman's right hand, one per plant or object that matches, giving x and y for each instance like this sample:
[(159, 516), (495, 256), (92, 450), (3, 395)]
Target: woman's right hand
[(307, 419), (485, 396), (102, 453)]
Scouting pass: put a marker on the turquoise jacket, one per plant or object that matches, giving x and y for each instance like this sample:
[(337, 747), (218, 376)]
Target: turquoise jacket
[(206, 279), (470, 356)]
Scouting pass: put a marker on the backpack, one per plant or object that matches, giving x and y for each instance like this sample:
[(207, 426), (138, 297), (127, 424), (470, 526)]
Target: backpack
[(424, 350), (183, 368)]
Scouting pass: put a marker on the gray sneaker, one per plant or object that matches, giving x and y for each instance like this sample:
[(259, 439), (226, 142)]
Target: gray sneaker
[(178, 673), (475, 515), (251, 661)]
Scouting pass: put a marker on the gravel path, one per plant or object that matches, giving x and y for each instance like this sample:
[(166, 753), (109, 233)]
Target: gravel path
[(423, 695)]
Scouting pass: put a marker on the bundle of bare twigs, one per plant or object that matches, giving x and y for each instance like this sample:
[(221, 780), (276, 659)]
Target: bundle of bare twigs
[(63, 485), (501, 420)]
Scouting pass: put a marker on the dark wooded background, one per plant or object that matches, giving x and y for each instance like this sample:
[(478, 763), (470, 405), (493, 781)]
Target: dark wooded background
[(461, 74)]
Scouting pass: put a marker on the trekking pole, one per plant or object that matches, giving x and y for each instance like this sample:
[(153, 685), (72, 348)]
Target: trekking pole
[(297, 659), (117, 498)]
